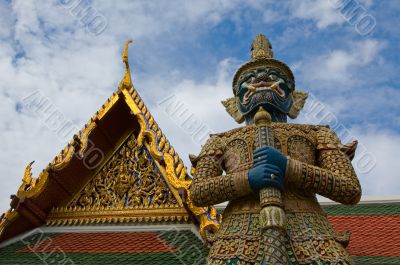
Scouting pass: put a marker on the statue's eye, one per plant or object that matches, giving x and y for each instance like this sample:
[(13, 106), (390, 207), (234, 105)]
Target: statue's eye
[(248, 78), (273, 77)]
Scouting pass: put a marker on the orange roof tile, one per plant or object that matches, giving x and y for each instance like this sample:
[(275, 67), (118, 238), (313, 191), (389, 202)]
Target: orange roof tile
[(371, 235)]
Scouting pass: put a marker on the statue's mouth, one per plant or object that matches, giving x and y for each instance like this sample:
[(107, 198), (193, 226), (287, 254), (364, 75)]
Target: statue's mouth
[(262, 87)]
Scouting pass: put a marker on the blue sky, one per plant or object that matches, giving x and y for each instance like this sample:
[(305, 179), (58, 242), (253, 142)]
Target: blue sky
[(190, 50)]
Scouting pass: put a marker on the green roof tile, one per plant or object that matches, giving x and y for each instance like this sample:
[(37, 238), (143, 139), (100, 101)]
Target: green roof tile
[(189, 250), (363, 209), (377, 260), (359, 209)]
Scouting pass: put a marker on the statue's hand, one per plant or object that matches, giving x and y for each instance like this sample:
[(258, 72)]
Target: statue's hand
[(268, 170), (271, 156)]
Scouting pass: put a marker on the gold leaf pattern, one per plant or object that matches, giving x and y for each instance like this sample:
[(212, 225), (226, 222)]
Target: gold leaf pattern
[(128, 179)]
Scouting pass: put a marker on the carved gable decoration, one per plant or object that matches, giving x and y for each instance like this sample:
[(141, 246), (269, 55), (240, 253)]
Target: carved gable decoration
[(129, 179), (128, 187)]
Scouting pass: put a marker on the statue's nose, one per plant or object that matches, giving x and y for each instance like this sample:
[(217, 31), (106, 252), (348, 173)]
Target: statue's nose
[(261, 77)]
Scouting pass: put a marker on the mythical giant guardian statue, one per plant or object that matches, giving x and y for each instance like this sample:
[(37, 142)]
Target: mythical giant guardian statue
[(270, 172)]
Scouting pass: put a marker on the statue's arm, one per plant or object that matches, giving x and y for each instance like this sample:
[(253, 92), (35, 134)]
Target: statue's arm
[(334, 178), (209, 185)]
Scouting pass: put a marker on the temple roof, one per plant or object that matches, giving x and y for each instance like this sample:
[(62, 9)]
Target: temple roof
[(374, 227), (148, 247), (375, 230), (124, 136)]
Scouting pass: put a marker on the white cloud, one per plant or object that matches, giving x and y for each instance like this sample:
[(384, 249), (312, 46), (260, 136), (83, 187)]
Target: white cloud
[(326, 13), (6, 21), (322, 12), (152, 18), (201, 102), (272, 16), (384, 146), (27, 20), (339, 66)]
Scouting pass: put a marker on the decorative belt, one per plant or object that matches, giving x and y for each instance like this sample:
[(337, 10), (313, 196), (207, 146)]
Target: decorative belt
[(251, 204)]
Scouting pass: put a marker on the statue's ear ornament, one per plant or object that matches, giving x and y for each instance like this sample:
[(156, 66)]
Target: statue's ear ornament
[(299, 99), (231, 107)]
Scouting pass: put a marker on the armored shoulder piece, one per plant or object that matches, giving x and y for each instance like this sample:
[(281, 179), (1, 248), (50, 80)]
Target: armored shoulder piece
[(327, 139), (210, 185), (334, 177), (215, 146)]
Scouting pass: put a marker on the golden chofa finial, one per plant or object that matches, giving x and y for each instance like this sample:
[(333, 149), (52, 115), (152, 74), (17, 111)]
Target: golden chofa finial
[(125, 53), (261, 48), (126, 81)]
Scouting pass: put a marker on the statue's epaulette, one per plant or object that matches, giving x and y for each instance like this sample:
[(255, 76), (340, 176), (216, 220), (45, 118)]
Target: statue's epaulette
[(325, 137), (216, 144), (302, 127), (234, 131)]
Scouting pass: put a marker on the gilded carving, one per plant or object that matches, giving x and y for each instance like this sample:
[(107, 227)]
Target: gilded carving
[(128, 179)]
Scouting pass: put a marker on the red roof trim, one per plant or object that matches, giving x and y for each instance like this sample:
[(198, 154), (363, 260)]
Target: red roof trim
[(115, 242)]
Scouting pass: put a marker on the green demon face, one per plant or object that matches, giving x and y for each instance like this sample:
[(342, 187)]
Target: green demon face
[(267, 87)]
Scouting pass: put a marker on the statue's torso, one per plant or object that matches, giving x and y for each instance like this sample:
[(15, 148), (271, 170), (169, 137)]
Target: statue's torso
[(310, 236)]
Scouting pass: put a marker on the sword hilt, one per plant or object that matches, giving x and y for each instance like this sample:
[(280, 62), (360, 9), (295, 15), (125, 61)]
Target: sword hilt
[(272, 214)]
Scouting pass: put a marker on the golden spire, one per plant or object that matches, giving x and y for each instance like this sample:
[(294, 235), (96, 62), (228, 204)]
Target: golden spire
[(126, 82), (261, 48)]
